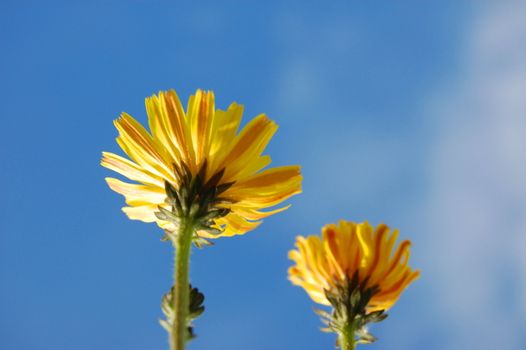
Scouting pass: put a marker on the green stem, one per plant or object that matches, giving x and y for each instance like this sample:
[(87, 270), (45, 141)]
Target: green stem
[(347, 338), (183, 245)]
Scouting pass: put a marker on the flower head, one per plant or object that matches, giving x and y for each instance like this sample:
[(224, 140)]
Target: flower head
[(355, 269), (323, 264), (200, 156)]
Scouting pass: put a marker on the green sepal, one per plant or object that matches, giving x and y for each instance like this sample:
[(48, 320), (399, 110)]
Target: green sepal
[(197, 201), (200, 242), (167, 215), (349, 309), (376, 316), (223, 187), (364, 337), (215, 214)]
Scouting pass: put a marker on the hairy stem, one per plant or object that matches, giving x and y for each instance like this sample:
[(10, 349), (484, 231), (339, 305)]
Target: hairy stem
[(182, 245), (346, 337)]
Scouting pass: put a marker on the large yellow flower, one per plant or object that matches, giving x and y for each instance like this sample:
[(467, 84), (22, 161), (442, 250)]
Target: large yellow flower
[(202, 140), (350, 251)]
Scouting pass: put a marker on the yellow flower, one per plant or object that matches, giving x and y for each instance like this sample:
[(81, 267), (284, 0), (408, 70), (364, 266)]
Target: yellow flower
[(203, 140), (348, 252)]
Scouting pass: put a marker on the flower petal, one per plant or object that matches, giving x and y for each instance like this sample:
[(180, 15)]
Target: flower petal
[(200, 114), (249, 145), (129, 169), (137, 193), (139, 146), (267, 188), (144, 213)]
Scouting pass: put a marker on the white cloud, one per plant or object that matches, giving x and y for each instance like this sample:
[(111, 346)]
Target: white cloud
[(478, 198)]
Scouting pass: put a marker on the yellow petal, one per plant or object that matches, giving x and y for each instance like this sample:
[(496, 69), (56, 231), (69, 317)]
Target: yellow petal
[(267, 188), (251, 214), (162, 126), (179, 125), (139, 145), (201, 110), (137, 193), (129, 169), (249, 144), (144, 213), (235, 225), (223, 131)]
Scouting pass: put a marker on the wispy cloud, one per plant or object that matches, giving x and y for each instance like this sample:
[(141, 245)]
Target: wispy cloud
[(478, 187), (473, 253)]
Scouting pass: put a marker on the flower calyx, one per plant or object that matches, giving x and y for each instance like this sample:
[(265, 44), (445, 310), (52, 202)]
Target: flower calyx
[(195, 200), (349, 317)]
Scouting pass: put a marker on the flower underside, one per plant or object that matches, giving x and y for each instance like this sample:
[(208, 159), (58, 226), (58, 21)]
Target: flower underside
[(197, 201), (186, 150), (349, 302), (356, 270)]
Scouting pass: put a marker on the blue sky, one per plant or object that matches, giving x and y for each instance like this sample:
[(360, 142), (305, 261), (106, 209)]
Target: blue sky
[(403, 113)]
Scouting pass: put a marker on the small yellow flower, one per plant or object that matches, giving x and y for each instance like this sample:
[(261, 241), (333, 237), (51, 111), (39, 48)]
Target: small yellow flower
[(348, 251), (205, 141), (354, 269)]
